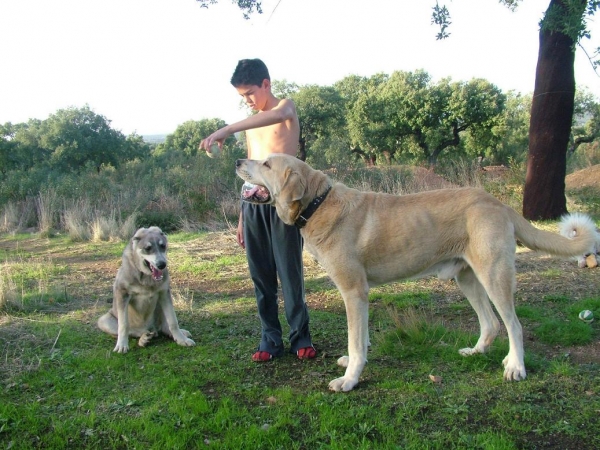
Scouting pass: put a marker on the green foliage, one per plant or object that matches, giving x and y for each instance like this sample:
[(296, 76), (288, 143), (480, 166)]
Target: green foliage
[(331, 153), (165, 220), (569, 17), (75, 138), (586, 200), (23, 143), (510, 133), (320, 111), (7, 147), (441, 17), (407, 113), (586, 155), (186, 138), (71, 140), (585, 133)]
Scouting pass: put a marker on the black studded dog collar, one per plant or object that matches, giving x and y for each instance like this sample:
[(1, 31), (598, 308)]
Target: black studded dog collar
[(310, 209)]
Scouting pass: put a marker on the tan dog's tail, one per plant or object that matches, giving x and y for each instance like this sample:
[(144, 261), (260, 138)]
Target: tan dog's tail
[(581, 241)]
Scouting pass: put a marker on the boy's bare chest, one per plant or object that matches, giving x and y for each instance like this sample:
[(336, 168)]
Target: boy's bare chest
[(271, 139)]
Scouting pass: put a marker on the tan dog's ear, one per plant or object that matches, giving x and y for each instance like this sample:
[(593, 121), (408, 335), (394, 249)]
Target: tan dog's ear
[(289, 199)]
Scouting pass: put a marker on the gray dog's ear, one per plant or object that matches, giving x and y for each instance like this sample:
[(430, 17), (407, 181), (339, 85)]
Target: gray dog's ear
[(138, 234), (155, 229), (289, 200)]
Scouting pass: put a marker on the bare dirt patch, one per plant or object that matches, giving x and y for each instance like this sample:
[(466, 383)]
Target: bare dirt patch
[(585, 178)]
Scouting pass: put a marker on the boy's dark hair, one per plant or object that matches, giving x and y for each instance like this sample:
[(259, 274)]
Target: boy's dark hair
[(250, 72)]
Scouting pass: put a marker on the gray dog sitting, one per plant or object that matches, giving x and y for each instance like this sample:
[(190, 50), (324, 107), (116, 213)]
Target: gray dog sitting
[(142, 304)]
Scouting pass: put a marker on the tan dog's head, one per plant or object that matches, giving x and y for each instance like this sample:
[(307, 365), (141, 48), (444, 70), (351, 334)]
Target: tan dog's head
[(292, 184), (150, 247)]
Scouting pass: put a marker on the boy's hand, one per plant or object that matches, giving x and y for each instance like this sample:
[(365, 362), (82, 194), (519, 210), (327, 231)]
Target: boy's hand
[(218, 137), (240, 232)]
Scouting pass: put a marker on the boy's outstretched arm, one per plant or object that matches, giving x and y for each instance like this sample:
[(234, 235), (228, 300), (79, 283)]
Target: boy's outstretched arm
[(285, 110)]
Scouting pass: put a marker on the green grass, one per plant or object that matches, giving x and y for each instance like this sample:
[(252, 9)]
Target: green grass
[(556, 321), (401, 300), (61, 386)]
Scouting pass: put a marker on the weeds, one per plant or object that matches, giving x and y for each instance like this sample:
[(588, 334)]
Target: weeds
[(46, 206)]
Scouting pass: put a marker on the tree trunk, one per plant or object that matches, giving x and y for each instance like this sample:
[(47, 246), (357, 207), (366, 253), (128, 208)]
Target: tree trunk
[(550, 126), (301, 155)]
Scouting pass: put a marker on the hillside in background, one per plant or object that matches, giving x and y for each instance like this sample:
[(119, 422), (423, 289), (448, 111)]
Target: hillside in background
[(154, 138)]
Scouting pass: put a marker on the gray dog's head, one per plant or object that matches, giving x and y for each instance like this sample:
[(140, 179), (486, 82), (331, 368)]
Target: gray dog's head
[(150, 247)]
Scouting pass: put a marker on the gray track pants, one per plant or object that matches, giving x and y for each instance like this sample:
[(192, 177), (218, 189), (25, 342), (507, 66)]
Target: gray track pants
[(275, 249)]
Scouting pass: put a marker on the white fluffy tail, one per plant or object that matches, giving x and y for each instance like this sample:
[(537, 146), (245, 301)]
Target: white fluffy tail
[(571, 226)]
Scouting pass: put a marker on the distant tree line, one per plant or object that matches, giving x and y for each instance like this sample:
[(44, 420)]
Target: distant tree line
[(398, 118), (70, 140)]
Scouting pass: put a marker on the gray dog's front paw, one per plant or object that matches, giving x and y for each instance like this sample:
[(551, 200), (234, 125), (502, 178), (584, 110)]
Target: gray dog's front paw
[(182, 337), (186, 333), (186, 342), (121, 348)]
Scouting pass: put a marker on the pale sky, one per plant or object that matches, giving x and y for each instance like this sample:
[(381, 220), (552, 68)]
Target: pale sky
[(150, 65)]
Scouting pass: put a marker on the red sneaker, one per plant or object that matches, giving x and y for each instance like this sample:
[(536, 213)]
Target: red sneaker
[(261, 356), (306, 353)]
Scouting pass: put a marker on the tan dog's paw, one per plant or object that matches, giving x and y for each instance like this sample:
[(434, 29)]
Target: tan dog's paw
[(342, 384), (467, 351), (343, 361), (513, 371), (591, 261)]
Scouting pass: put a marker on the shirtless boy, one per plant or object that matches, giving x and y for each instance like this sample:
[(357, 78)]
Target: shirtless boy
[(272, 247)]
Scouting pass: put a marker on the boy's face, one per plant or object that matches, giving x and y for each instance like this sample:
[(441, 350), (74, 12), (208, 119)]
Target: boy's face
[(255, 96)]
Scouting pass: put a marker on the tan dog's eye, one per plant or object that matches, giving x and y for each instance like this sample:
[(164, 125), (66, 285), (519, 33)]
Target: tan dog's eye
[(267, 164)]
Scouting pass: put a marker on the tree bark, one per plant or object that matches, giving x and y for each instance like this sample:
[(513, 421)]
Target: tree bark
[(301, 155), (550, 126)]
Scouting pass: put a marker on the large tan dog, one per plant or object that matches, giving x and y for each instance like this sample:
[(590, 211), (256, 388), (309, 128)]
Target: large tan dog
[(142, 304), (364, 239)]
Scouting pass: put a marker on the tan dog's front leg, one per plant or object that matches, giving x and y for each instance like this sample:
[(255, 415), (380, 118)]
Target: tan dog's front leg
[(121, 300), (182, 337), (357, 313)]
